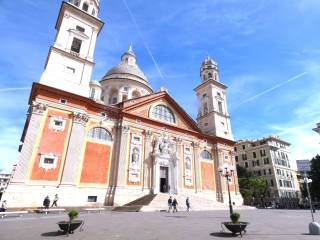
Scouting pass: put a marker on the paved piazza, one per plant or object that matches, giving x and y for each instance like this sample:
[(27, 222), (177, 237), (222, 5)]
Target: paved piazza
[(264, 224)]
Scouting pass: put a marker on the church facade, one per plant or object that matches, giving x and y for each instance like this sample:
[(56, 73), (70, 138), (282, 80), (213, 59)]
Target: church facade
[(114, 141)]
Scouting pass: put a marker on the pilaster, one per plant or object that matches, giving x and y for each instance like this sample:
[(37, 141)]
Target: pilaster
[(147, 166), (197, 166), (123, 153), (36, 112), (74, 149), (179, 154)]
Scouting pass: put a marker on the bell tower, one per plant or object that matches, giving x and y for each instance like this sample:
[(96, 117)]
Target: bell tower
[(213, 118), (70, 59)]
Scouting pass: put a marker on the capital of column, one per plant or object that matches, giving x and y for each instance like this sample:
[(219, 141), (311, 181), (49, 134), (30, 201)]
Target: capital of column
[(178, 140), (125, 128), (148, 133), (196, 144), (81, 118), (38, 108)]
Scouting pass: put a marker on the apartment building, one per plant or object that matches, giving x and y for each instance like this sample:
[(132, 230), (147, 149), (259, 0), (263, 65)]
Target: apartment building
[(269, 158)]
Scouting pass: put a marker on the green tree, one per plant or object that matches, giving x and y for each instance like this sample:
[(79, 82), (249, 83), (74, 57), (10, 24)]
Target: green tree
[(250, 186), (315, 176)]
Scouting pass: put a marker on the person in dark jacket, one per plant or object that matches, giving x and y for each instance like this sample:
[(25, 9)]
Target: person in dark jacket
[(188, 204), (169, 204), (46, 202), (175, 204)]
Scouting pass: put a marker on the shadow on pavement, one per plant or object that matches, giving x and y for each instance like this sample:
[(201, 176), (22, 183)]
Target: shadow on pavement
[(223, 234), (53, 234)]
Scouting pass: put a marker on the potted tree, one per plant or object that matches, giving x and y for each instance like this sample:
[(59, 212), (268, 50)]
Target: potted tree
[(72, 224), (235, 226)]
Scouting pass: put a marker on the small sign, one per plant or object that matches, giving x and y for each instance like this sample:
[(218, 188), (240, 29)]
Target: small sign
[(303, 165)]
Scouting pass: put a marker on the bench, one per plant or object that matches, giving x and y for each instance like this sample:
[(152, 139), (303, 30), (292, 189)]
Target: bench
[(46, 211), (94, 209), (20, 213)]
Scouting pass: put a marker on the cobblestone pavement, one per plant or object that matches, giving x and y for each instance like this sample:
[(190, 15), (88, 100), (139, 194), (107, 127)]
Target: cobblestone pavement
[(264, 224)]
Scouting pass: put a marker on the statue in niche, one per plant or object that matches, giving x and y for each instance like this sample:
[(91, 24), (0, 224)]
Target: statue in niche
[(135, 156), (164, 145), (188, 163)]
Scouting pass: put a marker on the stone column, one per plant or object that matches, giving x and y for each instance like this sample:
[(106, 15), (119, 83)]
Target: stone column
[(72, 160), (196, 166), (181, 162), (35, 115), (147, 164), (121, 181)]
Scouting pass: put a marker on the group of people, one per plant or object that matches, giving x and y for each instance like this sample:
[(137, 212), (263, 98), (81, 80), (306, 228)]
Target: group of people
[(46, 201), (173, 204)]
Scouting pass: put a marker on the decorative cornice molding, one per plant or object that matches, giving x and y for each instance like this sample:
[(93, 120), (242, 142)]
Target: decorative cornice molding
[(38, 108)]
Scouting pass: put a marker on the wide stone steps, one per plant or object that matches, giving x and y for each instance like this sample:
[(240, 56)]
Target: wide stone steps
[(198, 202)]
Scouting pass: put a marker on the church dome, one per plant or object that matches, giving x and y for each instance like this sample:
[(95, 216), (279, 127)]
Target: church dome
[(127, 69), (125, 81)]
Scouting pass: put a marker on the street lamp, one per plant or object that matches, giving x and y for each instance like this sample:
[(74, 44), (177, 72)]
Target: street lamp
[(314, 227), (226, 171)]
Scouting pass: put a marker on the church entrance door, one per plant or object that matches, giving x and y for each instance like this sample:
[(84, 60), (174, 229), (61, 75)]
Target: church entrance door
[(164, 174)]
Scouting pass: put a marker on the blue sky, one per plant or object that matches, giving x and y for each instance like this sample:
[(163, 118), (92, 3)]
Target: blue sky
[(258, 45)]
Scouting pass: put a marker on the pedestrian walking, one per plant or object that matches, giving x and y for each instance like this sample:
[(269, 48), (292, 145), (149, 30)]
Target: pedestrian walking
[(55, 201), (46, 202), (4, 206), (169, 204), (188, 204), (175, 204)]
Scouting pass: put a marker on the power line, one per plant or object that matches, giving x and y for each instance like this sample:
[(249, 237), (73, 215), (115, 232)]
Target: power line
[(142, 38)]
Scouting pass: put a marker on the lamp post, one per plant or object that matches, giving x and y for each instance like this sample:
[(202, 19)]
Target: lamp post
[(226, 171)]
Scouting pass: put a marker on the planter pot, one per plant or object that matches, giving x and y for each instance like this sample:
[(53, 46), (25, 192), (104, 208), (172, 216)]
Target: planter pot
[(66, 225), (235, 228)]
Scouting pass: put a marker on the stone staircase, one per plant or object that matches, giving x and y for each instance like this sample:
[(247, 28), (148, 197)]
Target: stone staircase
[(136, 205), (198, 202)]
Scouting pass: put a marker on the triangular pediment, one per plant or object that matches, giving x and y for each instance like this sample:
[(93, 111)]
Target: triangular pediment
[(144, 107)]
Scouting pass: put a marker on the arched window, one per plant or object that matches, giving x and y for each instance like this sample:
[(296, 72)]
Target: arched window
[(100, 134), (209, 75), (163, 113), (77, 3), (206, 155), (85, 7)]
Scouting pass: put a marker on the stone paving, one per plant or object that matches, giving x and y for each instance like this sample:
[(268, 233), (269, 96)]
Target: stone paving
[(264, 224)]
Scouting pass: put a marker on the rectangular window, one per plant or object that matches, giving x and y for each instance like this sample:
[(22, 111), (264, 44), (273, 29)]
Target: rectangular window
[(243, 147), (92, 198), (258, 163), (246, 164), (235, 149), (271, 183), (58, 123), (236, 157), (280, 183), (244, 156), (93, 91), (264, 172), (48, 160), (114, 100), (220, 107), (81, 29), (254, 154), (270, 172), (76, 45), (253, 163)]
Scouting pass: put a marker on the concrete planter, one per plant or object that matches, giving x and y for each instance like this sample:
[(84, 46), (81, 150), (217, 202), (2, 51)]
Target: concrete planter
[(69, 227), (235, 228)]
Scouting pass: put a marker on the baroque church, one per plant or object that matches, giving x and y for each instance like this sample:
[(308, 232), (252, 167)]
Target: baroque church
[(114, 141)]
